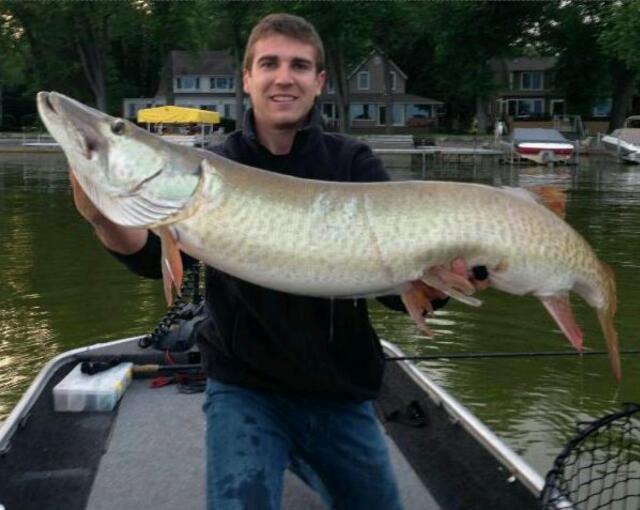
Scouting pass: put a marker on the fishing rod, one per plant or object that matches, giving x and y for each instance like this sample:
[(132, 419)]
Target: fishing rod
[(91, 367), (481, 355)]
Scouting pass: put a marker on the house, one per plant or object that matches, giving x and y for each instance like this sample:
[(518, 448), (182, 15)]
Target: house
[(205, 81), (527, 91), (367, 102), (526, 88)]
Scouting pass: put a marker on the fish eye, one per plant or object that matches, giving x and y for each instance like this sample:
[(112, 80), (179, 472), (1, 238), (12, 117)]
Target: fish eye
[(118, 127)]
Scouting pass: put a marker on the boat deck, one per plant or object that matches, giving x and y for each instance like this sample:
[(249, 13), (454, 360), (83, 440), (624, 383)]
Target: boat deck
[(147, 468), (148, 453)]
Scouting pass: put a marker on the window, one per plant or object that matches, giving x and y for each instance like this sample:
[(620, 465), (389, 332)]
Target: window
[(602, 109), (363, 80), (227, 111), (132, 110), (419, 111), (398, 115), (221, 83), (328, 110), (187, 83), (532, 80), (393, 79), (526, 107), (361, 111)]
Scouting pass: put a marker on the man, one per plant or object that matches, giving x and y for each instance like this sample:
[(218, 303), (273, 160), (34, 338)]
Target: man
[(291, 378)]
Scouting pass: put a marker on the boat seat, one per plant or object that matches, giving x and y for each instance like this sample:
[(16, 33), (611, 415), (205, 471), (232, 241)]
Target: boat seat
[(143, 468)]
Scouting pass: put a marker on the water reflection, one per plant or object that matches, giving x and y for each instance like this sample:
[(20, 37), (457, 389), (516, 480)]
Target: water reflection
[(59, 290)]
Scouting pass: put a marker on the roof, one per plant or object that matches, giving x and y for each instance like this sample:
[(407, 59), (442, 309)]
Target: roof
[(206, 62), (177, 115), (524, 63), (372, 54)]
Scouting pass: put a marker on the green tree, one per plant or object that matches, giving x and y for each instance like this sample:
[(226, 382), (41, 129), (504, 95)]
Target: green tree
[(345, 29), (74, 41), (581, 72), (12, 56), (102, 50), (620, 38), (466, 35), (388, 21)]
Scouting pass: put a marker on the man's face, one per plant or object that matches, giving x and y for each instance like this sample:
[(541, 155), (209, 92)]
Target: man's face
[(282, 81)]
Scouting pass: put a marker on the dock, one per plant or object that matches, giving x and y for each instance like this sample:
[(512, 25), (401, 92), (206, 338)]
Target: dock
[(27, 142), (440, 153)]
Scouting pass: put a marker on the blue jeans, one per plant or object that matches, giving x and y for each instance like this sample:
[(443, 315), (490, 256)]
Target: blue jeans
[(253, 436)]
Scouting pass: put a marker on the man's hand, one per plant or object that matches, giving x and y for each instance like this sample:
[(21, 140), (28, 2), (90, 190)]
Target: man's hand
[(419, 298), (478, 276), (115, 237)]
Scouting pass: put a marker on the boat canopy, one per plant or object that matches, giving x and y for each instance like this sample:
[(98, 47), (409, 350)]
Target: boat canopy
[(177, 115), (537, 135)]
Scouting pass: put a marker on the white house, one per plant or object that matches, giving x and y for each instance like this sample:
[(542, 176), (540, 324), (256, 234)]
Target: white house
[(205, 81)]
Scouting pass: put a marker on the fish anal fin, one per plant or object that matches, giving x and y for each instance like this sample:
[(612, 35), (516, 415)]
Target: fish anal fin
[(559, 308), (172, 271), (417, 304)]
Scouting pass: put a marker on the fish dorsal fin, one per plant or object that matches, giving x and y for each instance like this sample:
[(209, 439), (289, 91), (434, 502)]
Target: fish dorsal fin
[(555, 199)]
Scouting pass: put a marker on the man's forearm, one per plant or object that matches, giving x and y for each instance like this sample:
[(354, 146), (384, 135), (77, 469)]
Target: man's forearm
[(123, 240)]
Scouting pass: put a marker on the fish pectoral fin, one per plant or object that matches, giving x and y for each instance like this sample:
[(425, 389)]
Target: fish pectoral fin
[(452, 284), (417, 305), (172, 270), (559, 308)]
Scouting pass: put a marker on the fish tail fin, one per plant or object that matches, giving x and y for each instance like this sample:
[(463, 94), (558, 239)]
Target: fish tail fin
[(606, 315)]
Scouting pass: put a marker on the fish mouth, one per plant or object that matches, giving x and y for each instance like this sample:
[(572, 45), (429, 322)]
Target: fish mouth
[(131, 199), (43, 98), (52, 110)]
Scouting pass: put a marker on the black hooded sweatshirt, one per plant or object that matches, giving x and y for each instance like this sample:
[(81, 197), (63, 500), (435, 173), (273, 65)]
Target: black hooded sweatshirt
[(270, 340)]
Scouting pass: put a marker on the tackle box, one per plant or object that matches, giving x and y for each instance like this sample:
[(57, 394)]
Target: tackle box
[(97, 392)]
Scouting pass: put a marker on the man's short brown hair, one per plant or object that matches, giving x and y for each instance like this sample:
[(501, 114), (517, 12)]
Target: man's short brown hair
[(288, 25)]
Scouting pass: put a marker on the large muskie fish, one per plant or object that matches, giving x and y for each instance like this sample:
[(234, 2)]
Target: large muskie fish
[(330, 239)]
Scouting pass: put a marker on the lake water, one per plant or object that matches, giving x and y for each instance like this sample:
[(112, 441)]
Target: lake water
[(60, 290)]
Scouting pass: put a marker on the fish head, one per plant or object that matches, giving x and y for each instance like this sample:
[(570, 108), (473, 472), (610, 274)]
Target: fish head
[(132, 176)]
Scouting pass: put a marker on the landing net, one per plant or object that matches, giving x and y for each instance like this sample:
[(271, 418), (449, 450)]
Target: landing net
[(600, 467)]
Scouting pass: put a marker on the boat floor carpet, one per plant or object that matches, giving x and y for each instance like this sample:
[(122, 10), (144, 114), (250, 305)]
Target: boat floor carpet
[(52, 457), (155, 459)]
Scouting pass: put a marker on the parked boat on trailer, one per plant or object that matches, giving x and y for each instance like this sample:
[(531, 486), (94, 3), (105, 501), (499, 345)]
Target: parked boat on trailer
[(624, 143), (540, 145)]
